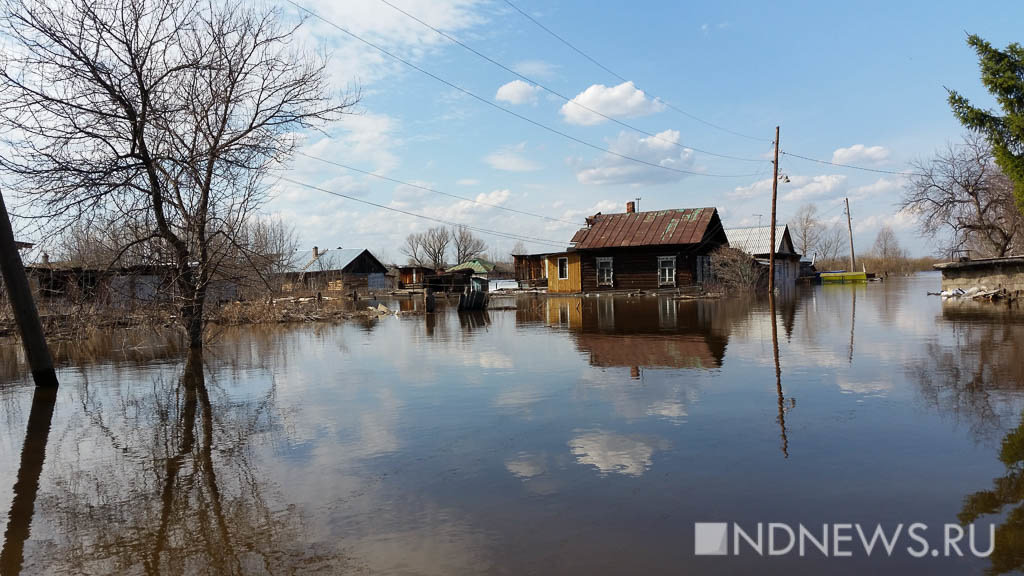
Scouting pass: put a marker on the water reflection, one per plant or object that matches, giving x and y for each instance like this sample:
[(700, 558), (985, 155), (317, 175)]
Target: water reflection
[(570, 436), (26, 489)]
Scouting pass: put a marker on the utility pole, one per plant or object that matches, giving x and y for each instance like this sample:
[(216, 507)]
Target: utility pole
[(849, 228), (775, 191), (25, 314)]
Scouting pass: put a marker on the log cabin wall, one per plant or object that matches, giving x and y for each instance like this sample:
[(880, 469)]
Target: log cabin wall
[(636, 268)]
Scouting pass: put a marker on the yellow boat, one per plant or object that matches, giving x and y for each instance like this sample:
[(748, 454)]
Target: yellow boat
[(843, 277)]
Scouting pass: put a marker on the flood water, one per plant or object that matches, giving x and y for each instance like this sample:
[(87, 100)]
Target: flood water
[(566, 436)]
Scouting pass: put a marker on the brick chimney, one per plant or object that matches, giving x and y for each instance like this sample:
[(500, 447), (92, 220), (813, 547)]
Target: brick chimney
[(316, 252), (630, 207)]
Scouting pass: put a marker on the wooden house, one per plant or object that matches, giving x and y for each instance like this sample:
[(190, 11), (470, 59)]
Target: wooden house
[(341, 270), (755, 240), (564, 272), (664, 249)]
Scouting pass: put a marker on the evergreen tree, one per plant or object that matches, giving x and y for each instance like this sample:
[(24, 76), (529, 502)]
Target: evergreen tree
[(1002, 73)]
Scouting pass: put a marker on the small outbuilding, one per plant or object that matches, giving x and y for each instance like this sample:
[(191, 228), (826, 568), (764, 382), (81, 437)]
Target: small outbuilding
[(1005, 273), (756, 240), (339, 270)]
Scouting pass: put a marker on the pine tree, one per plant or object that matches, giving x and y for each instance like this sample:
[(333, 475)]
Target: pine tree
[(1002, 73)]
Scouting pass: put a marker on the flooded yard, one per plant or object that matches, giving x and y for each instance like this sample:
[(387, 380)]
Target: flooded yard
[(566, 436)]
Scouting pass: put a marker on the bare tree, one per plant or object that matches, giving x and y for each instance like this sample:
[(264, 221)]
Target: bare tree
[(961, 192), (413, 249), (735, 270), (467, 245), (807, 229), (435, 246), (887, 247), (830, 242), (163, 114)]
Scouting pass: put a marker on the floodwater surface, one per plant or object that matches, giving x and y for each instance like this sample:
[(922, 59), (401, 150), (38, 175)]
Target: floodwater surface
[(566, 436)]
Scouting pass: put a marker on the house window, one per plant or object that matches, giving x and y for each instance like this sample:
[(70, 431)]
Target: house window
[(563, 268), (604, 271), (666, 270)]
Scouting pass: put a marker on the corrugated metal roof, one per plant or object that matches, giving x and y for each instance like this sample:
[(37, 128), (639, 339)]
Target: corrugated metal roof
[(756, 239), (477, 265), (685, 226)]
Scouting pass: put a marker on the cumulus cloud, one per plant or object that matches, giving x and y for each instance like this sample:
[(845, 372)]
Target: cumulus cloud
[(884, 186), (799, 188), (660, 150), (467, 182), (517, 92), (860, 154), (511, 159), (622, 101)]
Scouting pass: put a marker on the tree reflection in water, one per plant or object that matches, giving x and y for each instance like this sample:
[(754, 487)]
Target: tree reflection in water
[(169, 486), (975, 378), (1008, 490)]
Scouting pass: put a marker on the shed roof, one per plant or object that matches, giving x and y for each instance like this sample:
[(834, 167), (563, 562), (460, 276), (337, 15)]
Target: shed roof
[(756, 239), (661, 227), (477, 265), (338, 259)]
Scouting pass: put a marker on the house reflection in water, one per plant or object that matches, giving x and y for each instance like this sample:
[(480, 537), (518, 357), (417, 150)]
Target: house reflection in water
[(644, 332)]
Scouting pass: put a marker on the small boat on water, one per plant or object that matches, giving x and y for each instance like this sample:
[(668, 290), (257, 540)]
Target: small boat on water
[(842, 277)]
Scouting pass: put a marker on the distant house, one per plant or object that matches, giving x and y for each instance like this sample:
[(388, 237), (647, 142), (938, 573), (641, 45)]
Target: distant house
[(483, 269), (661, 249), (340, 270), (23, 245), (755, 240), (413, 276)]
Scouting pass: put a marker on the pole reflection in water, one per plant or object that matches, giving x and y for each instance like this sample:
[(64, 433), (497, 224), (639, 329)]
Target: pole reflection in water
[(778, 377), (33, 453)]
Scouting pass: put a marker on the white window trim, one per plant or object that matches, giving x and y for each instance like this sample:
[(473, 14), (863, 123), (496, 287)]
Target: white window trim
[(611, 269), (559, 262), (674, 270)]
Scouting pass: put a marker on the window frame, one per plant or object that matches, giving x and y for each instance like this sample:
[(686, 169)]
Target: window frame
[(611, 270), (674, 270), (559, 266)]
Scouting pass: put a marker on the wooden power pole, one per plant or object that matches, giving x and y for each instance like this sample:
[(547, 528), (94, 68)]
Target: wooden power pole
[(775, 191), (24, 307), (849, 228)]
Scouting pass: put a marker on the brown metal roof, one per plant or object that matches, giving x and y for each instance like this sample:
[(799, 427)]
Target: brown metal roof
[(686, 226)]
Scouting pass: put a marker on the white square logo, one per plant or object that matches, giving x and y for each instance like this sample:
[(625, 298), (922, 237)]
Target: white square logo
[(711, 538)]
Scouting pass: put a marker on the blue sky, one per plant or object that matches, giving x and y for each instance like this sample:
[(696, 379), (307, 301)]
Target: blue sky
[(862, 83)]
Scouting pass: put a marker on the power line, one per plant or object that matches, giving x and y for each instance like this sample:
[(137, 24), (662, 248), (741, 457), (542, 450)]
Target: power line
[(621, 79), (418, 186), (498, 233), (564, 97), (878, 170), (506, 110)]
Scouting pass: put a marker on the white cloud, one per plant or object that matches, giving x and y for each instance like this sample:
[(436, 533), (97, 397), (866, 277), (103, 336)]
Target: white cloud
[(535, 68), (860, 154), (517, 92), (467, 182), (352, 61), (882, 187), (802, 188), (799, 188), (659, 150), (622, 101), (900, 220), (511, 159)]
